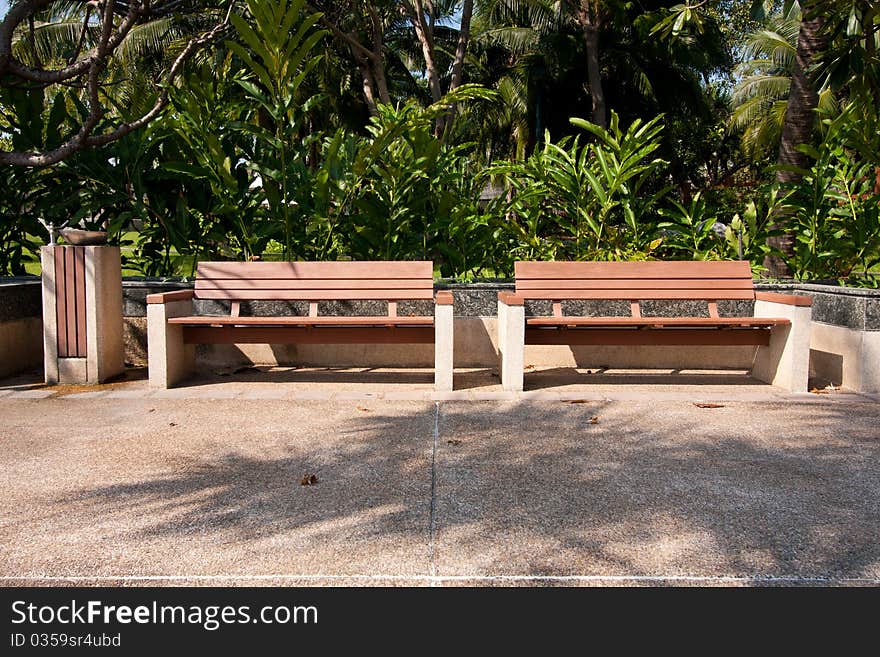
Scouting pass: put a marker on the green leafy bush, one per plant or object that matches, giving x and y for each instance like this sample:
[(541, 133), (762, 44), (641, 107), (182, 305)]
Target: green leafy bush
[(587, 201)]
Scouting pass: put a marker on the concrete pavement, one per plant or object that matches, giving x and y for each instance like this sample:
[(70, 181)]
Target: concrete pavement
[(131, 487)]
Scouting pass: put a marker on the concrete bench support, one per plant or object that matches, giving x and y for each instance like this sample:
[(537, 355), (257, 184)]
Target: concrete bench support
[(170, 360), (173, 329), (511, 340), (785, 362), (443, 342)]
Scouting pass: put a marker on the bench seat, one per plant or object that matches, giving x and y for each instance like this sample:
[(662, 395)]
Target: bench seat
[(384, 320), (779, 329), (173, 329), (657, 322)]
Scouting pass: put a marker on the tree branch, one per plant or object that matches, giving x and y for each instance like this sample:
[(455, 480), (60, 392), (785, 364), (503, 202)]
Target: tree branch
[(93, 67)]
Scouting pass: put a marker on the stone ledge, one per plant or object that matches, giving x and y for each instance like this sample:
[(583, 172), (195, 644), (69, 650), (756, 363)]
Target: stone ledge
[(853, 308), (20, 298)]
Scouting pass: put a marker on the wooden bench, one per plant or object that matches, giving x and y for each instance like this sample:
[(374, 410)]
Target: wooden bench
[(780, 327), (173, 329)]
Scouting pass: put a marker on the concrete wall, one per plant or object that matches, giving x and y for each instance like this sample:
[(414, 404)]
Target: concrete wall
[(475, 335), (845, 346), (475, 347), (21, 326), (857, 311), (845, 357), (845, 337)]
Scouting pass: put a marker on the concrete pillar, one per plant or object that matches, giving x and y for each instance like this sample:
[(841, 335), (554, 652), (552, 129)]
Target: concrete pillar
[(443, 342), (511, 340), (82, 314), (786, 361), (169, 359)]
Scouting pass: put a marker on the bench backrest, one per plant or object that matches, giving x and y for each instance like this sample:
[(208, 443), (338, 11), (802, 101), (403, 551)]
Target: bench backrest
[(315, 281), (709, 281)]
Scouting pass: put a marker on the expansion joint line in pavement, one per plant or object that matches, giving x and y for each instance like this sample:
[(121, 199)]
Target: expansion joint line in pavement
[(432, 522), (439, 580)]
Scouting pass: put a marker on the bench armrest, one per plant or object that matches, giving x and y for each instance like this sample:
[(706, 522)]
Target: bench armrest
[(168, 297), (510, 298), (443, 298), (786, 299)]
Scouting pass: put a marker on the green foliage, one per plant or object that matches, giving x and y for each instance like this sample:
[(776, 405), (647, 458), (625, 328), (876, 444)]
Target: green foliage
[(690, 230), (277, 55), (747, 234), (587, 201), (399, 192), (835, 209), (18, 222), (267, 151)]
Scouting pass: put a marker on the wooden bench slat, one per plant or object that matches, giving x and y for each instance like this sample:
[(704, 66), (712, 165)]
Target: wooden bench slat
[(703, 294), (635, 284), (314, 284), (317, 270), (315, 295), (655, 337), (666, 270), (656, 321), (307, 335), (225, 320)]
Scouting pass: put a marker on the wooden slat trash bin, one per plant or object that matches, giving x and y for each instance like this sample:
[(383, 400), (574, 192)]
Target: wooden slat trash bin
[(780, 327), (173, 328)]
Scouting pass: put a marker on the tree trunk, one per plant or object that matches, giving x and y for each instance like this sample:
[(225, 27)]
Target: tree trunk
[(376, 62), (588, 22), (426, 40), (797, 128), (464, 35), (369, 86), (369, 60)]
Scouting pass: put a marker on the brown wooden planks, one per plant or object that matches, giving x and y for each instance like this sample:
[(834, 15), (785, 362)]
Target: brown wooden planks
[(70, 301), (321, 270), (168, 297), (787, 299), (80, 282), (662, 270), (304, 335), (315, 281), (61, 303), (656, 321), (320, 295), (643, 294), (626, 284), (204, 320), (657, 337), (314, 284)]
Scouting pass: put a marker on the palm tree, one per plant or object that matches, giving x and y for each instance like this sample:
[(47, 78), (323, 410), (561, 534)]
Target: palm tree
[(760, 97), (800, 119), (133, 51)]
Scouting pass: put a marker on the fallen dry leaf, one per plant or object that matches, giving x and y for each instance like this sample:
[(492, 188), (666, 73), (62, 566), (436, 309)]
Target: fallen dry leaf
[(529, 367), (364, 410), (453, 441), (704, 405), (152, 410), (820, 391), (594, 419), (579, 401), (308, 480)]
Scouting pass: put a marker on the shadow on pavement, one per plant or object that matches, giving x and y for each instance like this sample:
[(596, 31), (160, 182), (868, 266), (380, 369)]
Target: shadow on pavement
[(614, 488)]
